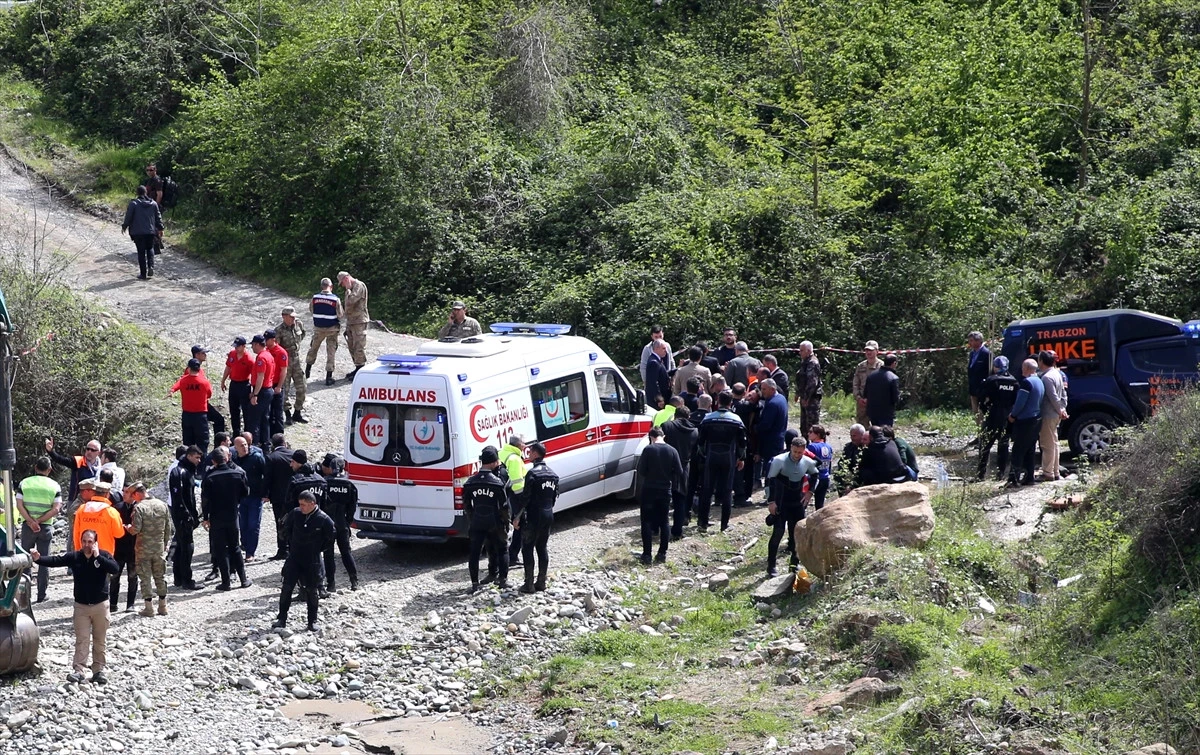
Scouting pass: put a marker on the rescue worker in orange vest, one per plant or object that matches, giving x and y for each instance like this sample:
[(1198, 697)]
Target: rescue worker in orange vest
[(238, 366), (195, 390), (99, 515)]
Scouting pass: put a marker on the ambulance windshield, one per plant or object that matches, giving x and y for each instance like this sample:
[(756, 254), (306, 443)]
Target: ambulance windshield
[(399, 434)]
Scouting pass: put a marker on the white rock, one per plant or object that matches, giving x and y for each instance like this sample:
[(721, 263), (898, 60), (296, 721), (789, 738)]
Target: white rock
[(520, 616), (987, 606), (718, 581), (432, 619), (143, 701), (18, 719)]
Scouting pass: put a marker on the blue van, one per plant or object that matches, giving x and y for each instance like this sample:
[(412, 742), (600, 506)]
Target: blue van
[(1119, 364)]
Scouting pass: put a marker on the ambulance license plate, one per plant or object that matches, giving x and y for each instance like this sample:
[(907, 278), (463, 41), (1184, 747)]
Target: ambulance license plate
[(376, 515)]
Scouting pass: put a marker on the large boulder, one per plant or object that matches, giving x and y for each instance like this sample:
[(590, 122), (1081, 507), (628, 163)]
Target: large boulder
[(871, 515)]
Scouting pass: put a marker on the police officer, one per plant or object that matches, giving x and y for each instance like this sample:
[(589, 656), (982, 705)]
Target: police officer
[(342, 498), (238, 366), (658, 472), (541, 491), (309, 532), (305, 478), (723, 449), (512, 457), (278, 478), (485, 502), (282, 365), (791, 476), (995, 403), (328, 315), (357, 318), (221, 494), (182, 485), (290, 334)]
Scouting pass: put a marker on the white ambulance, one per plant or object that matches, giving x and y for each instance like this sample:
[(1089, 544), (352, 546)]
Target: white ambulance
[(416, 424)]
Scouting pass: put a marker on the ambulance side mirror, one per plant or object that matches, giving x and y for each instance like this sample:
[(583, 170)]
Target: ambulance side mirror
[(639, 403)]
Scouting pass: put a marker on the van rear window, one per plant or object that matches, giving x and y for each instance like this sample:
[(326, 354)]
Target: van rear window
[(400, 435)]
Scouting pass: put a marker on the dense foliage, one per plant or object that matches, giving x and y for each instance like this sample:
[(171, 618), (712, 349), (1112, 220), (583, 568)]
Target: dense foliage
[(802, 168)]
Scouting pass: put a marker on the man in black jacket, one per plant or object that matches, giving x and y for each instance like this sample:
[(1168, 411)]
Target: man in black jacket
[(309, 532), (996, 403), (882, 389), (182, 485), (541, 493), (881, 462), (978, 363), (144, 222), (342, 499), (279, 475), (485, 500), (91, 568), (659, 471), (221, 493), (658, 384), (304, 477), (682, 435), (723, 451)]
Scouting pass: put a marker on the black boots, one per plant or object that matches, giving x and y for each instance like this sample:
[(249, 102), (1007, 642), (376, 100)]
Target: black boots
[(296, 417), (307, 371), (328, 378), (350, 375)]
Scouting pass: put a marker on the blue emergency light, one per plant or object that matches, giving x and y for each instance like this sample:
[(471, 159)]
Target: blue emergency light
[(593, 356), (537, 328), (462, 377), (1192, 328), (407, 361)]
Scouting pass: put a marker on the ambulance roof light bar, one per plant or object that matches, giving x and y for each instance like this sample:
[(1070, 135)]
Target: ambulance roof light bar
[(407, 361), (1192, 328), (537, 328)]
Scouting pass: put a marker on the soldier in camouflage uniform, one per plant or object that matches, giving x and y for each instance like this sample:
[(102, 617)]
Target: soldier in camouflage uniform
[(357, 318), (288, 335), (864, 368), (809, 389), (152, 525)]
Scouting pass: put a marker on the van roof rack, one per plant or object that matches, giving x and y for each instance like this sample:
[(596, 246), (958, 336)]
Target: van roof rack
[(535, 328), (407, 361)]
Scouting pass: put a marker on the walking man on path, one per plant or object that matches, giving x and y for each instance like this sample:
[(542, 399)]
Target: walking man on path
[(328, 316), (152, 526), (357, 318), (143, 221), (91, 568)]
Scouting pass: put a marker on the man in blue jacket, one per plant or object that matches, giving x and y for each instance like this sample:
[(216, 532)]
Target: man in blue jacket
[(771, 426), (1026, 419), (143, 221), (979, 363)]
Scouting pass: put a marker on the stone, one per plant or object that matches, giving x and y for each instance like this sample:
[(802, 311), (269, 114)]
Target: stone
[(719, 581), (648, 630), (558, 737), (19, 719), (432, 619), (143, 701), (520, 616), (824, 748), (774, 587), (1161, 748), (858, 693), (876, 514), (341, 740)]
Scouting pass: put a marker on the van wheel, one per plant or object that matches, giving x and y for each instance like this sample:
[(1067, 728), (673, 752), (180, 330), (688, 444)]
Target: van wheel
[(1092, 434)]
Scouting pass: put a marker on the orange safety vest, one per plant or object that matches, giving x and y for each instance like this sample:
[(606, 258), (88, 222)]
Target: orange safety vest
[(98, 514)]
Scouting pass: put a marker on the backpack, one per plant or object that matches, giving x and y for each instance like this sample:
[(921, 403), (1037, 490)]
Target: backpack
[(170, 192)]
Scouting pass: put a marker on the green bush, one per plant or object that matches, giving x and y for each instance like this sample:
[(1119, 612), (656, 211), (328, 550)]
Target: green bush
[(900, 646)]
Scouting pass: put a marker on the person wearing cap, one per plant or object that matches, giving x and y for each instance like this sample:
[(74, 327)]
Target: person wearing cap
[(282, 364), (152, 526), (290, 334), (83, 495), (512, 456), (541, 486), (342, 499), (485, 504), (357, 318), (979, 362), (459, 325), (215, 418), (1054, 411), (309, 532), (238, 366), (38, 501), (996, 402), (809, 388), (882, 390), (262, 380), (859, 385), (791, 477), (195, 390), (221, 494), (306, 480), (99, 515), (328, 316)]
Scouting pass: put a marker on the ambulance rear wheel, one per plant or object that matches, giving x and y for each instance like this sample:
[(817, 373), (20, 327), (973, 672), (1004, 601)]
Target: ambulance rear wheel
[(1091, 434)]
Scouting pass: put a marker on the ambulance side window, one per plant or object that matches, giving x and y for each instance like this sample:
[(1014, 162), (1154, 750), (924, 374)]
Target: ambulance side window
[(615, 396), (560, 406)]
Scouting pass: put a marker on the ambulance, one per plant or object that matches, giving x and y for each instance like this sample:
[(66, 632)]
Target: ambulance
[(416, 424)]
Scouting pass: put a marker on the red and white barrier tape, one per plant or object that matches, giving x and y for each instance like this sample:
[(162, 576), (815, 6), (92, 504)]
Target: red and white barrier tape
[(859, 351), (48, 337)]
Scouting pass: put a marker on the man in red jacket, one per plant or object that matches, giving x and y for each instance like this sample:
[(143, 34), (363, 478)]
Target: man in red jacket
[(262, 392), (196, 390), (280, 355)]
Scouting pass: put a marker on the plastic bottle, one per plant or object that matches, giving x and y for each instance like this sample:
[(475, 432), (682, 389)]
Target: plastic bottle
[(943, 477)]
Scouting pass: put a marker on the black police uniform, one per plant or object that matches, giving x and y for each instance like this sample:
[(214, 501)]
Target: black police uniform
[(342, 500), (999, 395), (485, 502), (722, 445), (182, 485), (683, 436), (278, 477), (221, 494), (307, 537), (659, 471), (541, 491)]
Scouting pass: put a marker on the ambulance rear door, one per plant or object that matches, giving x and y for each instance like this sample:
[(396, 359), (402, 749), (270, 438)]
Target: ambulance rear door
[(404, 432)]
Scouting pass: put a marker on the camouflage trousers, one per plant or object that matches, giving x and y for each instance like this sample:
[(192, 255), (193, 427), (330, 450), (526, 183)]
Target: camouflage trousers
[(152, 565), (294, 385)]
